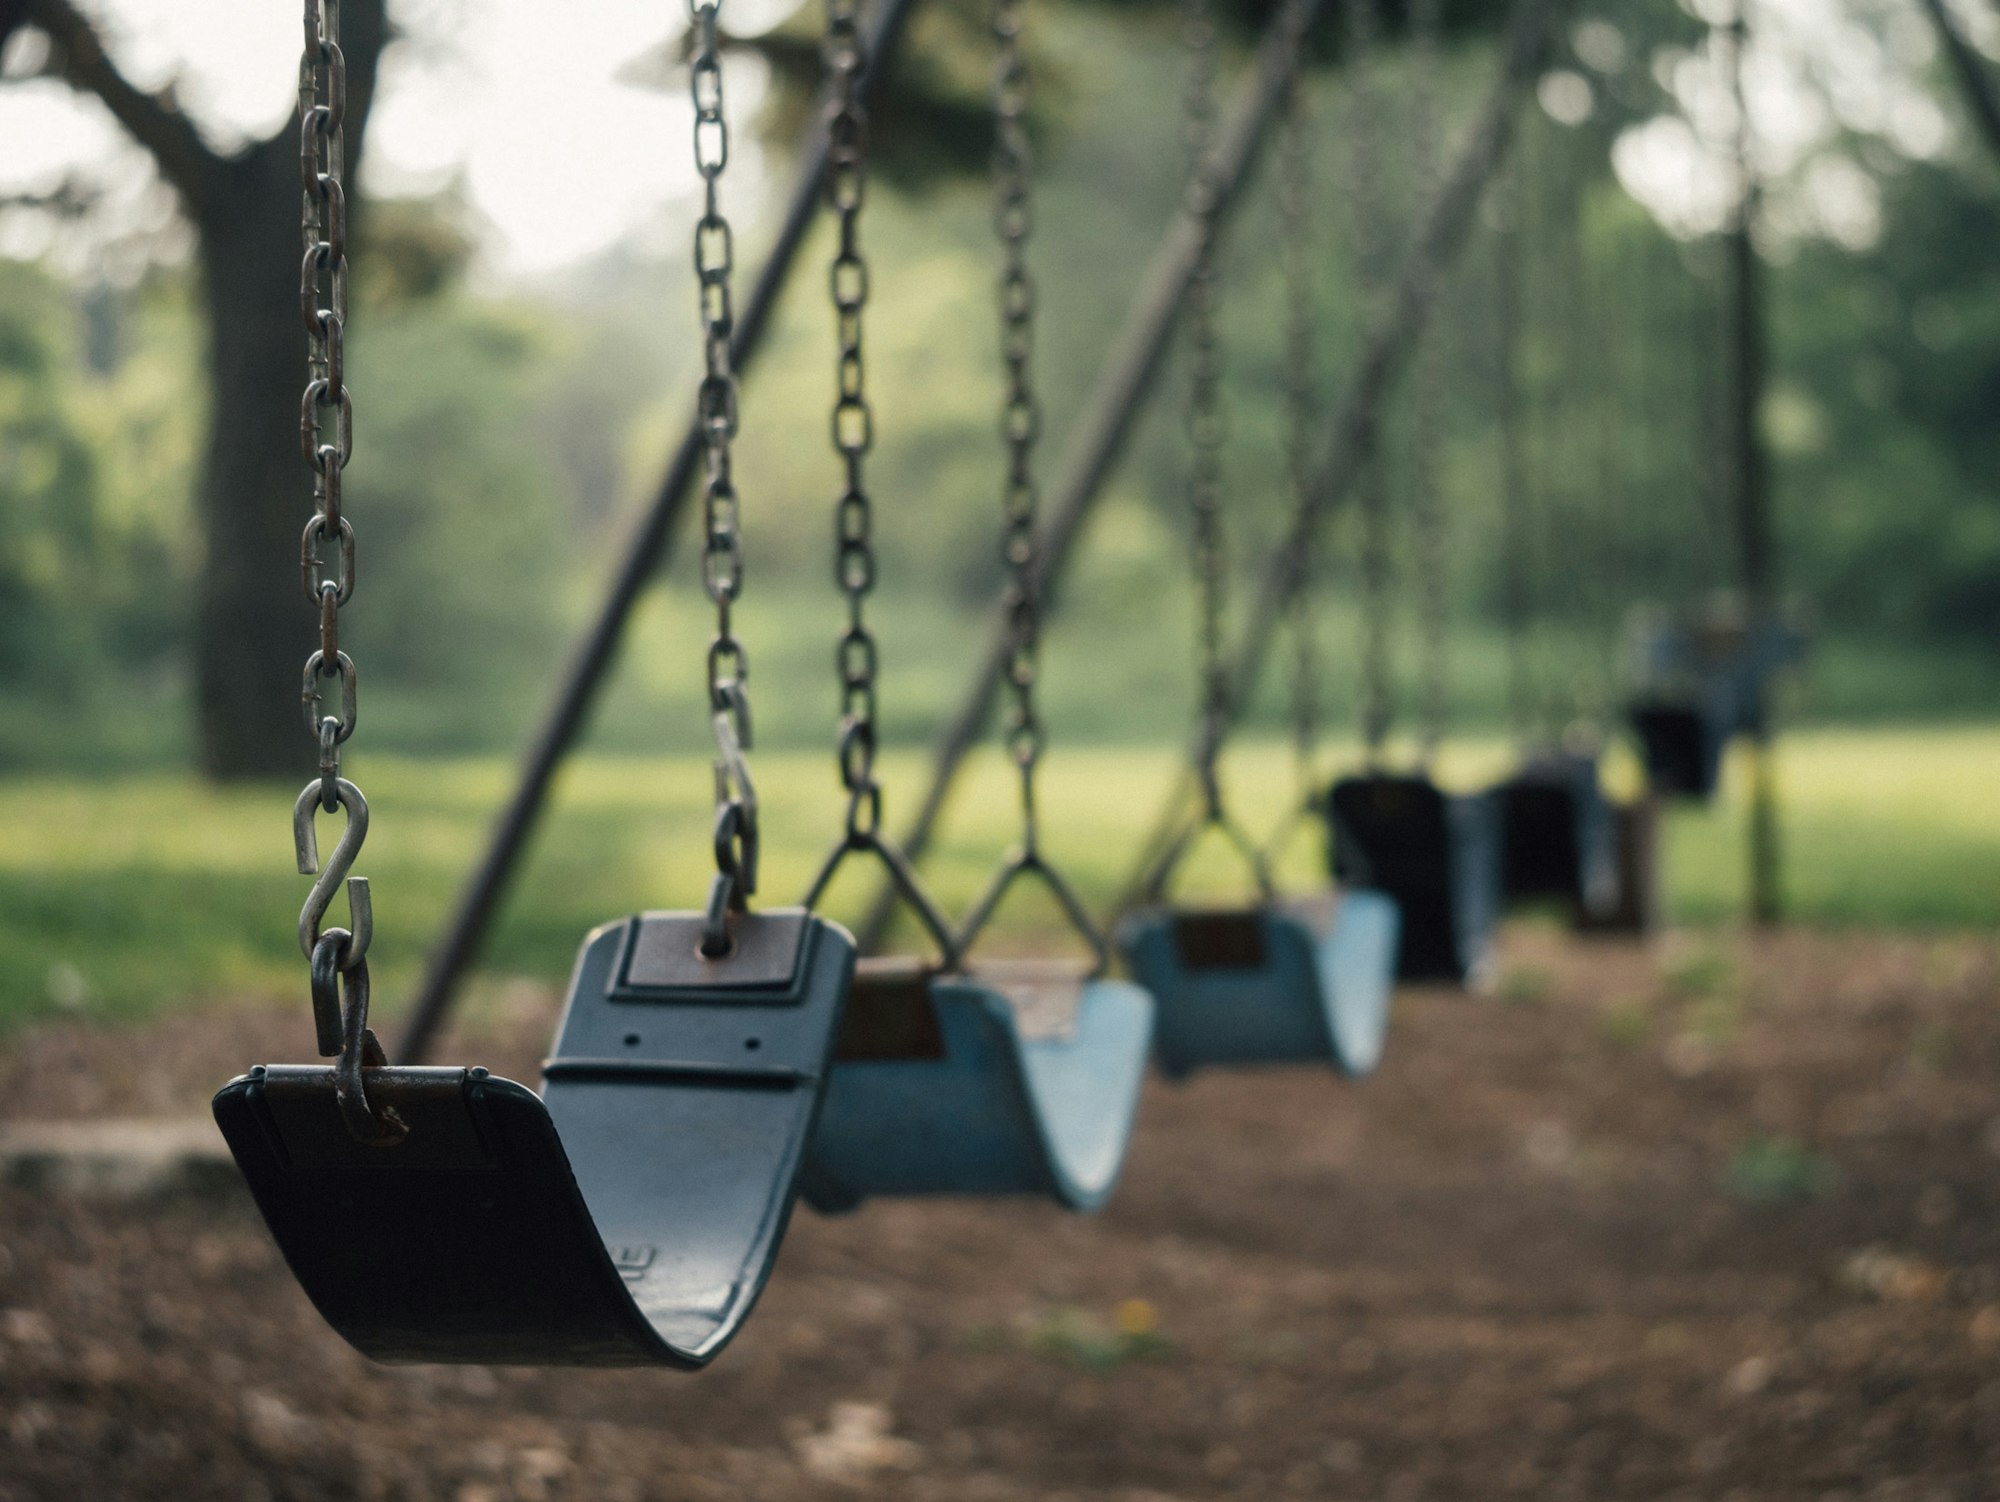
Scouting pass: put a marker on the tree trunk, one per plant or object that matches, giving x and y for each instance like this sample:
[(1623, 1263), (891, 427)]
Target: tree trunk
[(255, 628)]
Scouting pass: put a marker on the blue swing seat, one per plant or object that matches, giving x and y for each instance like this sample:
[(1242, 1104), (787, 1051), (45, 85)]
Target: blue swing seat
[(1558, 838), (630, 1215), (1273, 984), (1706, 683), (1437, 855), (1014, 1079)]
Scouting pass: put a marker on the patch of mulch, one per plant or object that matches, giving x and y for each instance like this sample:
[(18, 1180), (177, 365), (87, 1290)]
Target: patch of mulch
[(1715, 1219)]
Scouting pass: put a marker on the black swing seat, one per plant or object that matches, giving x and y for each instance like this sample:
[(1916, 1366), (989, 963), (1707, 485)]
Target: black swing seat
[(1706, 682), (1558, 836), (1282, 982), (1437, 854), (1681, 741), (1019, 1077), (630, 1215)]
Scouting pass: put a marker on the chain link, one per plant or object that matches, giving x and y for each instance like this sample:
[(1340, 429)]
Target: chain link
[(1543, 287), (326, 441), (337, 957), (1020, 413), (1593, 311), (1296, 254), (1517, 531), (1205, 424), (1433, 550), (857, 657), (1377, 669), (736, 837), (1020, 429), (326, 413)]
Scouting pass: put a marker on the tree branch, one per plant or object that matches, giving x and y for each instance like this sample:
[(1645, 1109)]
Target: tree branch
[(12, 14), (80, 60), (1982, 97)]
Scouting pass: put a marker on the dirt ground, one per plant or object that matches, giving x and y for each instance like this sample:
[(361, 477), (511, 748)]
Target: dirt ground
[(1711, 1220)]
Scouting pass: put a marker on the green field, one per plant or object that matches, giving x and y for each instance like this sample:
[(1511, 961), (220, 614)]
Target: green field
[(121, 896)]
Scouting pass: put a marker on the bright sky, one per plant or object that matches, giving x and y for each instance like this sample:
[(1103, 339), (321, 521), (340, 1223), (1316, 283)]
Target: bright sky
[(1820, 69), (529, 103), (520, 97)]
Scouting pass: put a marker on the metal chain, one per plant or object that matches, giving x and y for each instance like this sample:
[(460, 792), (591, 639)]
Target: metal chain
[(1206, 426), (326, 414), (1594, 310), (1377, 690), (1020, 428), (736, 834), (1517, 533), (337, 957), (1020, 413), (1296, 253), (1434, 665), (857, 656), (1204, 420), (1704, 312), (1543, 292)]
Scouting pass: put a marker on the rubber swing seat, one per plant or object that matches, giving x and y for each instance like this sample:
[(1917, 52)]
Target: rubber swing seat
[(1681, 744), (1558, 838), (1437, 855), (1708, 682), (628, 1216), (1279, 983), (1018, 1078)]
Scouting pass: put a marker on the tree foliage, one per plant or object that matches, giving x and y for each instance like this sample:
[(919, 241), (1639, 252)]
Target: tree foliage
[(507, 433)]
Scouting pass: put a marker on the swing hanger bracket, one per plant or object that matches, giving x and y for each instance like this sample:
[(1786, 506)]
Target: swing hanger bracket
[(736, 832), (340, 1004), (305, 839)]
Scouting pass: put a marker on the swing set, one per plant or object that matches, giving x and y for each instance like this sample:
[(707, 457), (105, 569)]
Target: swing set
[(714, 1067)]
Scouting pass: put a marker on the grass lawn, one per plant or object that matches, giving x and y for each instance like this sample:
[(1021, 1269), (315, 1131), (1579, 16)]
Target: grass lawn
[(119, 896)]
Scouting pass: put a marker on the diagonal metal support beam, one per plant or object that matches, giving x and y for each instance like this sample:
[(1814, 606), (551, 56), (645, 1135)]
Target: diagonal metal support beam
[(644, 553)]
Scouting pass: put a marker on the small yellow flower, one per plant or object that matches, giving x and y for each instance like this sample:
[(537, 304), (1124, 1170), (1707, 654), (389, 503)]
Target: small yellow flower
[(1136, 1319)]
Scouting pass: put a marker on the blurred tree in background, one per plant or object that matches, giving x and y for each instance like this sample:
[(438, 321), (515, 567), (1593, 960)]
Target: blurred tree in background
[(52, 530), (509, 427), (243, 206), (1891, 438)]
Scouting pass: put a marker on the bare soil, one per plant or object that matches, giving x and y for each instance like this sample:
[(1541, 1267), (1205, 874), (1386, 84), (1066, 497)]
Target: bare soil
[(1717, 1219)]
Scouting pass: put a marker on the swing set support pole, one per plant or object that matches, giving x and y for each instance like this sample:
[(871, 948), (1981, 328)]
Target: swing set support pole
[(645, 552), (1751, 477), (1097, 439), (1384, 359)]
